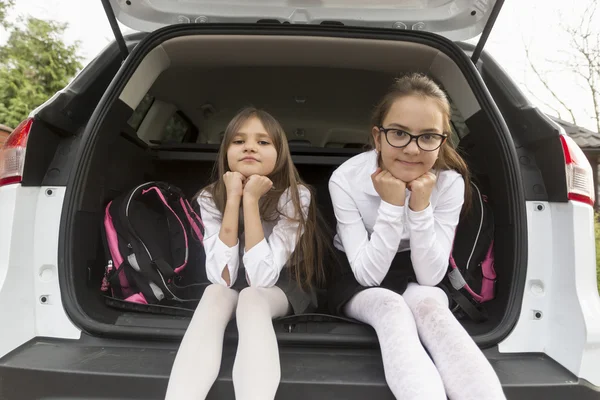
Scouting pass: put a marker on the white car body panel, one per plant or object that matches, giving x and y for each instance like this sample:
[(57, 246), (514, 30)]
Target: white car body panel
[(560, 314), (28, 266)]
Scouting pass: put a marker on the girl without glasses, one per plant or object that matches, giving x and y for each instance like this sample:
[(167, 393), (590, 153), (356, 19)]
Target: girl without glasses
[(263, 255)]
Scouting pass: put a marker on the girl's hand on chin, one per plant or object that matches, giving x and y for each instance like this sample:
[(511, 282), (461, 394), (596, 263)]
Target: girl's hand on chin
[(390, 189), (234, 184), (421, 191), (256, 186)]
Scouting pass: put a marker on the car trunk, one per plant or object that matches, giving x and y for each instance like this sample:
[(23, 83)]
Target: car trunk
[(321, 83)]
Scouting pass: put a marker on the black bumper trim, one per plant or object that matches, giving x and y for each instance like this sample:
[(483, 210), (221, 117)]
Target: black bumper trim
[(110, 369)]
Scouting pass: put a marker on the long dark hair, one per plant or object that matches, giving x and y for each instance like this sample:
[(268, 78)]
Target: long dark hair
[(307, 258)]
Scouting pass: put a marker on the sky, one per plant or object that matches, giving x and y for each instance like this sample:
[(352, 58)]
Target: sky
[(537, 24)]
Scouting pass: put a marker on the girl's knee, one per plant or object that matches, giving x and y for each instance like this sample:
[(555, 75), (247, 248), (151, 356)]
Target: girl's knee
[(425, 300), (251, 298), (252, 294), (393, 303), (271, 301), (252, 308), (416, 293), (218, 293), (217, 304), (380, 301)]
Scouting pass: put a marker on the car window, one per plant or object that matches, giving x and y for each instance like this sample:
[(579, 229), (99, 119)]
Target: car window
[(178, 129), (459, 127), (140, 112)]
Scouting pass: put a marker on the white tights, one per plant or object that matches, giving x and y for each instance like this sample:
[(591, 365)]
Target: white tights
[(460, 372), (256, 370)]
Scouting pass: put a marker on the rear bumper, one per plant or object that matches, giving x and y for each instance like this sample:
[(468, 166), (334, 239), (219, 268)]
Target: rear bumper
[(109, 369)]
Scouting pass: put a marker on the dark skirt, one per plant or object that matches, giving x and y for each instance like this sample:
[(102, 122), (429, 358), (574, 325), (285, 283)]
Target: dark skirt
[(343, 285), (301, 302)]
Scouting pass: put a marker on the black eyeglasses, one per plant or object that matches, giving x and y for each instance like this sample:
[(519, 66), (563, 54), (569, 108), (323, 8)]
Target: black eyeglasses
[(399, 138)]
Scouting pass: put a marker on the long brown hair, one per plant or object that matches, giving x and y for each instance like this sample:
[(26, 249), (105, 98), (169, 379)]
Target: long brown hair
[(416, 84), (307, 259)]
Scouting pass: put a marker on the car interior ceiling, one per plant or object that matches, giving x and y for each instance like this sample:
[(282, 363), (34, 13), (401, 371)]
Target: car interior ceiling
[(323, 101)]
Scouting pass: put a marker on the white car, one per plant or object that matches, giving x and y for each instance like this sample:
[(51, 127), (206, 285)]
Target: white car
[(153, 105)]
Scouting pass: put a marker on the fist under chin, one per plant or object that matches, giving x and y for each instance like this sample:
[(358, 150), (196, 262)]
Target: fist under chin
[(406, 175)]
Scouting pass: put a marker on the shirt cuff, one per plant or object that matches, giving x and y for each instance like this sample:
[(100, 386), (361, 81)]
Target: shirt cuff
[(259, 255), (390, 211), (421, 218), (227, 256)]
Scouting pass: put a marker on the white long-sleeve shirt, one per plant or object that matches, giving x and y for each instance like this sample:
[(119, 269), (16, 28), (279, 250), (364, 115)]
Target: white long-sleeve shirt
[(371, 231), (264, 261)]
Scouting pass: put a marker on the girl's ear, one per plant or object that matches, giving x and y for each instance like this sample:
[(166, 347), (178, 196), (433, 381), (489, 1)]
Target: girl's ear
[(376, 136)]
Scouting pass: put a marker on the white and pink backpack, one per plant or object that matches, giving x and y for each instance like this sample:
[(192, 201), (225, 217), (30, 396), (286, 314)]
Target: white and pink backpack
[(153, 240), (471, 278)]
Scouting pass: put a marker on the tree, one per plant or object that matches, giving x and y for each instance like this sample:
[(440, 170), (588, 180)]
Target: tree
[(5, 5), (34, 65), (581, 62)]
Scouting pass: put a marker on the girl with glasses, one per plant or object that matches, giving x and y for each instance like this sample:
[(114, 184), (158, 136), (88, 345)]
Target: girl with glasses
[(397, 208)]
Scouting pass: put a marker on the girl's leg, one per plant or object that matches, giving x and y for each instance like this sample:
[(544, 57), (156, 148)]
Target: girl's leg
[(256, 370), (466, 372), (198, 359), (409, 371)]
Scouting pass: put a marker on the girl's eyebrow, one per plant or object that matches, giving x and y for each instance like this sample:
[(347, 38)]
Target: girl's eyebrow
[(404, 128), (259, 134)]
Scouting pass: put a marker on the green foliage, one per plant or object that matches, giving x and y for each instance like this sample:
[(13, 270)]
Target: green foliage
[(34, 65), (5, 5)]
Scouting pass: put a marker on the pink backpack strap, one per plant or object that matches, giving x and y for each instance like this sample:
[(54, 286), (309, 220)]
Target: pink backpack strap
[(115, 253), (457, 279), (189, 212), (489, 275)]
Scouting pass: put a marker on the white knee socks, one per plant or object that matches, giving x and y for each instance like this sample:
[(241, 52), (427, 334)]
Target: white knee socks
[(256, 371), (198, 360), (466, 373), (409, 371), (399, 321)]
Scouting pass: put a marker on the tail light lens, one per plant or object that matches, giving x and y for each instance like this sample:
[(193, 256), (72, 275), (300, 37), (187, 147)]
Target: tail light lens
[(12, 154), (580, 176)]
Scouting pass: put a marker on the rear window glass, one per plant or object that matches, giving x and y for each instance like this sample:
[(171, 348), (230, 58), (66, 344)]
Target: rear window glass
[(459, 127), (178, 129), (140, 112)]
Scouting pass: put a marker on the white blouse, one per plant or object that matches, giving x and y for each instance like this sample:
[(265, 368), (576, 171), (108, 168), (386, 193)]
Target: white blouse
[(264, 261), (371, 231)]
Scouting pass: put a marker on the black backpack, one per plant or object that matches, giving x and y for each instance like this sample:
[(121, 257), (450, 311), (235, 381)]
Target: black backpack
[(471, 277), (153, 243)]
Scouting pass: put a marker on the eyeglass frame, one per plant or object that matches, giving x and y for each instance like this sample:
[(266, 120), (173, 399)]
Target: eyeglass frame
[(412, 137)]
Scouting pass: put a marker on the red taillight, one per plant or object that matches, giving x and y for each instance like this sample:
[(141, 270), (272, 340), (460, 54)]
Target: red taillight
[(580, 176), (12, 154)]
